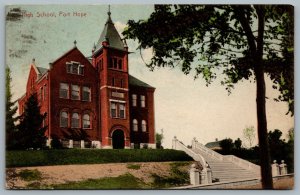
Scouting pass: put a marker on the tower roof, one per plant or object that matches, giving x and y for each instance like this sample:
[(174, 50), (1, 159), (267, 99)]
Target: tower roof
[(110, 34)]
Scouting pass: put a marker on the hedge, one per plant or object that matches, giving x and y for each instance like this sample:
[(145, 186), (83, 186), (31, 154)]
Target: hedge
[(90, 156)]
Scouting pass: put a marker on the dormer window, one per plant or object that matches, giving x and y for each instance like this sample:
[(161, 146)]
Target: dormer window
[(74, 68)]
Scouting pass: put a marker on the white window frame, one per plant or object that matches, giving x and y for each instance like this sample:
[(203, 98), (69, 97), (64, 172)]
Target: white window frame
[(134, 100), (61, 88), (61, 118), (143, 101), (75, 68), (73, 90), (135, 125), (86, 120), (113, 107), (122, 110), (88, 90), (73, 123), (144, 126)]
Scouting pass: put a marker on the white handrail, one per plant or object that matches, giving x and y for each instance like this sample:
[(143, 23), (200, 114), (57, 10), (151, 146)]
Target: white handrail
[(177, 145), (207, 151)]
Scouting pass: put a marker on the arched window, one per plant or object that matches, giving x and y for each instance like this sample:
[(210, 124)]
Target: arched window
[(64, 119), (75, 120), (86, 121), (144, 126), (135, 125)]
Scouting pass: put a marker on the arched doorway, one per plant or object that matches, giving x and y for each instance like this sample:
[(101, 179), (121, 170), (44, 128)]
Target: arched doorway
[(118, 139)]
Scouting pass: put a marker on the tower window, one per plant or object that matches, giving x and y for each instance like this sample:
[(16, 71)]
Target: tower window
[(113, 110), (122, 111), (113, 81), (120, 64), (122, 83)]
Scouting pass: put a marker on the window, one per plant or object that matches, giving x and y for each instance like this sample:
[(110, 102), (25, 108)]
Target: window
[(64, 90), (75, 68), (113, 110), (122, 83), (115, 63), (86, 121), (113, 81), (45, 92), (142, 101), (75, 120), (135, 125), (110, 65), (41, 93), (86, 93), (144, 126), (134, 97), (122, 110), (75, 92), (64, 119), (120, 65)]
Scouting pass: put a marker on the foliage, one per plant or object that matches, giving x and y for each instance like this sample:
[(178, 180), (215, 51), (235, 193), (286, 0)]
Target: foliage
[(240, 41), (56, 143), (30, 175), (179, 176), (238, 143), (31, 133), (126, 181), (249, 135), (133, 166), (226, 145), (10, 111), (159, 138), (90, 156)]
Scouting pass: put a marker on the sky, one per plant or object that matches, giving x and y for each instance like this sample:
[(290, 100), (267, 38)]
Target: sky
[(184, 107)]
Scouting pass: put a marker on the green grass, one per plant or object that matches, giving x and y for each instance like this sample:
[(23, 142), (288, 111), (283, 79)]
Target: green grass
[(30, 175), (134, 166), (178, 176), (126, 181), (90, 156)]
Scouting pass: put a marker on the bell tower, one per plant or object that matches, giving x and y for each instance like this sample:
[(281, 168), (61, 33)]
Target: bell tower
[(110, 58)]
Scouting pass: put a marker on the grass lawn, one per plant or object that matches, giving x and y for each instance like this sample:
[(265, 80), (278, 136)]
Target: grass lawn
[(90, 156)]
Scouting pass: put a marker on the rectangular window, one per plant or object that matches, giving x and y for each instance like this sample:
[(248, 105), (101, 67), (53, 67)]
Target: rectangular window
[(86, 93), (122, 111), (75, 92), (134, 99), (143, 102), (45, 92), (113, 81), (64, 90), (113, 110), (122, 84), (74, 68), (120, 64)]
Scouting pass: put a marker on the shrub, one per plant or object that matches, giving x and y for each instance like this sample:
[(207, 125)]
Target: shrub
[(90, 156), (134, 166)]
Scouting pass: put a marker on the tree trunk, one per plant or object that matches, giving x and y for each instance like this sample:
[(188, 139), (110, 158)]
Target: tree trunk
[(265, 160)]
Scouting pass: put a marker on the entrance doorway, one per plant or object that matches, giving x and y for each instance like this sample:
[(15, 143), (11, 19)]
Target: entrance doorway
[(118, 139)]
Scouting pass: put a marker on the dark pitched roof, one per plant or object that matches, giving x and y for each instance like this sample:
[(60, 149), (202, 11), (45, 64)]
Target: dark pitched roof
[(42, 70), (136, 82), (111, 34)]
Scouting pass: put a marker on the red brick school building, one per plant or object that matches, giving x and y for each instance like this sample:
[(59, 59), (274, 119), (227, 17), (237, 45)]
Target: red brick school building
[(93, 101)]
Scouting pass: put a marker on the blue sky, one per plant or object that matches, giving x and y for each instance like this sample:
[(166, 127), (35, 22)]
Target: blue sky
[(183, 106)]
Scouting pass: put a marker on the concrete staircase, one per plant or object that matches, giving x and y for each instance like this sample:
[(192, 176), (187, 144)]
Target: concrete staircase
[(225, 167)]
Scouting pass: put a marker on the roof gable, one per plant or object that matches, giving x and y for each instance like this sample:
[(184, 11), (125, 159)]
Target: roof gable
[(136, 82)]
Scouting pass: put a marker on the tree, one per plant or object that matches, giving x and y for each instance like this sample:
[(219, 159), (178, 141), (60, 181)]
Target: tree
[(249, 135), (226, 145), (238, 143), (10, 110), (241, 41), (158, 138), (31, 131)]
